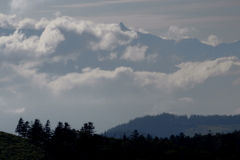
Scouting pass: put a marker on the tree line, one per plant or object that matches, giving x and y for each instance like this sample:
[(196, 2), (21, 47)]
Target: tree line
[(66, 143)]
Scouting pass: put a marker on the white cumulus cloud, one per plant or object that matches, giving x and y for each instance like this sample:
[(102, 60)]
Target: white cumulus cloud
[(17, 42), (189, 75), (212, 40), (178, 33), (49, 40), (15, 22), (110, 36), (7, 21), (42, 24), (103, 36), (107, 36)]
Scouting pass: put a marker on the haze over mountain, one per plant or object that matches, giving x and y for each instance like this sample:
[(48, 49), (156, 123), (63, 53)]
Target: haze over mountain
[(64, 68)]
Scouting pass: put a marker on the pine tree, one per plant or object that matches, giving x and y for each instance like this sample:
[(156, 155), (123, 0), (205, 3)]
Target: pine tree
[(47, 131), (67, 127), (58, 130), (149, 137), (88, 128), (36, 133), (134, 135), (26, 129), (20, 127)]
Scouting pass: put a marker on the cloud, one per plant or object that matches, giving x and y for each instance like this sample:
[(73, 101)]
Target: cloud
[(106, 36), (152, 58), (111, 56), (236, 82), (42, 24), (135, 53), (20, 6), (88, 77), (65, 58), (27, 23), (189, 75), (57, 14), (177, 33), (212, 40), (14, 22), (100, 3), (110, 36), (7, 21), (42, 49), (29, 72), (101, 37), (49, 40), (46, 44), (18, 42), (143, 31), (186, 99), (15, 111)]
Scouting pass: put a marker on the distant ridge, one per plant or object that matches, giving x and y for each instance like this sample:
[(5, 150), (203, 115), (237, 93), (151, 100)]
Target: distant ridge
[(123, 27), (165, 125)]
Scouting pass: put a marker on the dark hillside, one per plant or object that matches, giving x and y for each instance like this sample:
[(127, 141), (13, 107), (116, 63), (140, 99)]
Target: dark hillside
[(13, 147)]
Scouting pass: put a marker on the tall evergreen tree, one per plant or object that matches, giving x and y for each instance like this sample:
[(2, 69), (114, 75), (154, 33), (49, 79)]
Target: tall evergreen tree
[(67, 127), (88, 128), (59, 129), (20, 127), (26, 129), (135, 135), (47, 131), (58, 133), (36, 133)]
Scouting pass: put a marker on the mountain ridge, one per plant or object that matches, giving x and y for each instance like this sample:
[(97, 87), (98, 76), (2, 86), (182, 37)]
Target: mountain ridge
[(165, 125)]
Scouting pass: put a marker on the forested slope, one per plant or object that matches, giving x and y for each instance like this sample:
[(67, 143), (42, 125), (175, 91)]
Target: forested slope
[(13, 147), (165, 125)]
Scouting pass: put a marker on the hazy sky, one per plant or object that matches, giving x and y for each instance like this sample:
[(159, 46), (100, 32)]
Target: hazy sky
[(72, 61)]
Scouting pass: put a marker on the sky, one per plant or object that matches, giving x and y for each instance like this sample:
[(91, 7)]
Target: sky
[(73, 61)]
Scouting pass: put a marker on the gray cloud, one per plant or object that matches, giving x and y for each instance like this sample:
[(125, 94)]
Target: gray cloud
[(15, 111), (135, 53), (186, 99)]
